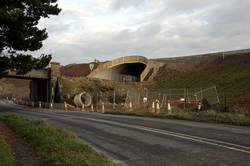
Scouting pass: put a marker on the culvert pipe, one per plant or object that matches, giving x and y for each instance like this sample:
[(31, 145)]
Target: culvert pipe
[(83, 98)]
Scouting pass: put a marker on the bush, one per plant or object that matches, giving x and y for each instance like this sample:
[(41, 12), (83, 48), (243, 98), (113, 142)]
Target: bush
[(205, 105)]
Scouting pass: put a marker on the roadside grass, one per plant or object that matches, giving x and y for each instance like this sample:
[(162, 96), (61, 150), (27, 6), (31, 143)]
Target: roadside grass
[(235, 118), (56, 145), (5, 156)]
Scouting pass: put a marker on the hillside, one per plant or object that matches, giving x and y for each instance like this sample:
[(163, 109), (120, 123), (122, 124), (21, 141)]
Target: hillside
[(231, 75), (75, 70)]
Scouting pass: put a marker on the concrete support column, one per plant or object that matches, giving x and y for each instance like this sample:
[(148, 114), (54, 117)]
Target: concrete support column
[(54, 85)]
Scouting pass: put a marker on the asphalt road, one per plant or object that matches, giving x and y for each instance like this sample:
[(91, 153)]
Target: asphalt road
[(140, 141)]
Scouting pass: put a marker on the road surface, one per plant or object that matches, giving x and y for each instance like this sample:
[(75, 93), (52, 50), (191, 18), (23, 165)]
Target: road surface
[(137, 141)]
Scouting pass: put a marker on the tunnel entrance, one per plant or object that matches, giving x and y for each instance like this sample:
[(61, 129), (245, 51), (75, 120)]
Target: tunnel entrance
[(124, 69), (39, 90), (127, 72)]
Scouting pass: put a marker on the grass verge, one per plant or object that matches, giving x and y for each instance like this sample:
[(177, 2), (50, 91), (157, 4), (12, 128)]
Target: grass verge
[(187, 114), (55, 145), (5, 156)]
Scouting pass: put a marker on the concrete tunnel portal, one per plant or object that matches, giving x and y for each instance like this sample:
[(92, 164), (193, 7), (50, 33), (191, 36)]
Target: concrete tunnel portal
[(127, 72), (124, 69)]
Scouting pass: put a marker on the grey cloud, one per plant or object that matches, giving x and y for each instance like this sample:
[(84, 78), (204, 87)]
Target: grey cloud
[(161, 34), (231, 19), (121, 4), (149, 30), (187, 6), (66, 21), (144, 32)]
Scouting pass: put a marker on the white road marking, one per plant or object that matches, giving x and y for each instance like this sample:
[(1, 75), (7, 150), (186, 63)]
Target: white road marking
[(218, 143)]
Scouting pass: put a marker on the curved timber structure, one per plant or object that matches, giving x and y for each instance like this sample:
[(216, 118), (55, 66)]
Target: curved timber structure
[(123, 69)]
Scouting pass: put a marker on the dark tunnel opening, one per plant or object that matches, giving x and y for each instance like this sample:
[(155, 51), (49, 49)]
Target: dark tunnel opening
[(129, 72)]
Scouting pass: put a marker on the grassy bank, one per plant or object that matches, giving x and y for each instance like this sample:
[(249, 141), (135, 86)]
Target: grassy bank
[(76, 85), (55, 145), (231, 76), (187, 114), (5, 156)]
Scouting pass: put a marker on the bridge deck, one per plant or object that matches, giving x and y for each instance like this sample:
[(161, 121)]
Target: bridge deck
[(33, 74), (118, 61)]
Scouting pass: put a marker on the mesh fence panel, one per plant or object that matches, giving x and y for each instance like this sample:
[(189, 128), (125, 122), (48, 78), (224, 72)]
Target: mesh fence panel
[(123, 98)]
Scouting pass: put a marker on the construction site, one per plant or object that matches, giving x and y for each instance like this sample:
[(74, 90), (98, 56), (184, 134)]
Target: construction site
[(133, 81)]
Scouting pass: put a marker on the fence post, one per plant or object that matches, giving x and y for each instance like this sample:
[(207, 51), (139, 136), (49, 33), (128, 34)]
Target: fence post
[(92, 107), (83, 107), (170, 95), (201, 94), (103, 108), (65, 106), (130, 106), (114, 100), (169, 108), (188, 95), (185, 98), (199, 106), (163, 102), (218, 100), (139, 98)]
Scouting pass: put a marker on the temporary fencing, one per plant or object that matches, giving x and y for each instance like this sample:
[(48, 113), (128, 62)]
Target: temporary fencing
[(123, 98)]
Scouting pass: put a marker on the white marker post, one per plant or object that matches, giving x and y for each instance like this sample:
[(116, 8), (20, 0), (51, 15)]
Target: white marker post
[(83, 107), (92, 108), (199, 106), (169, 108), (130, 106), (157, 108), (103, 108), (65, 106), (153, 107)]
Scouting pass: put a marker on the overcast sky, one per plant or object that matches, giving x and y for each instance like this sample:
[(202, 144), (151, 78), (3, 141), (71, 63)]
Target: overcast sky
[(107, 29)]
